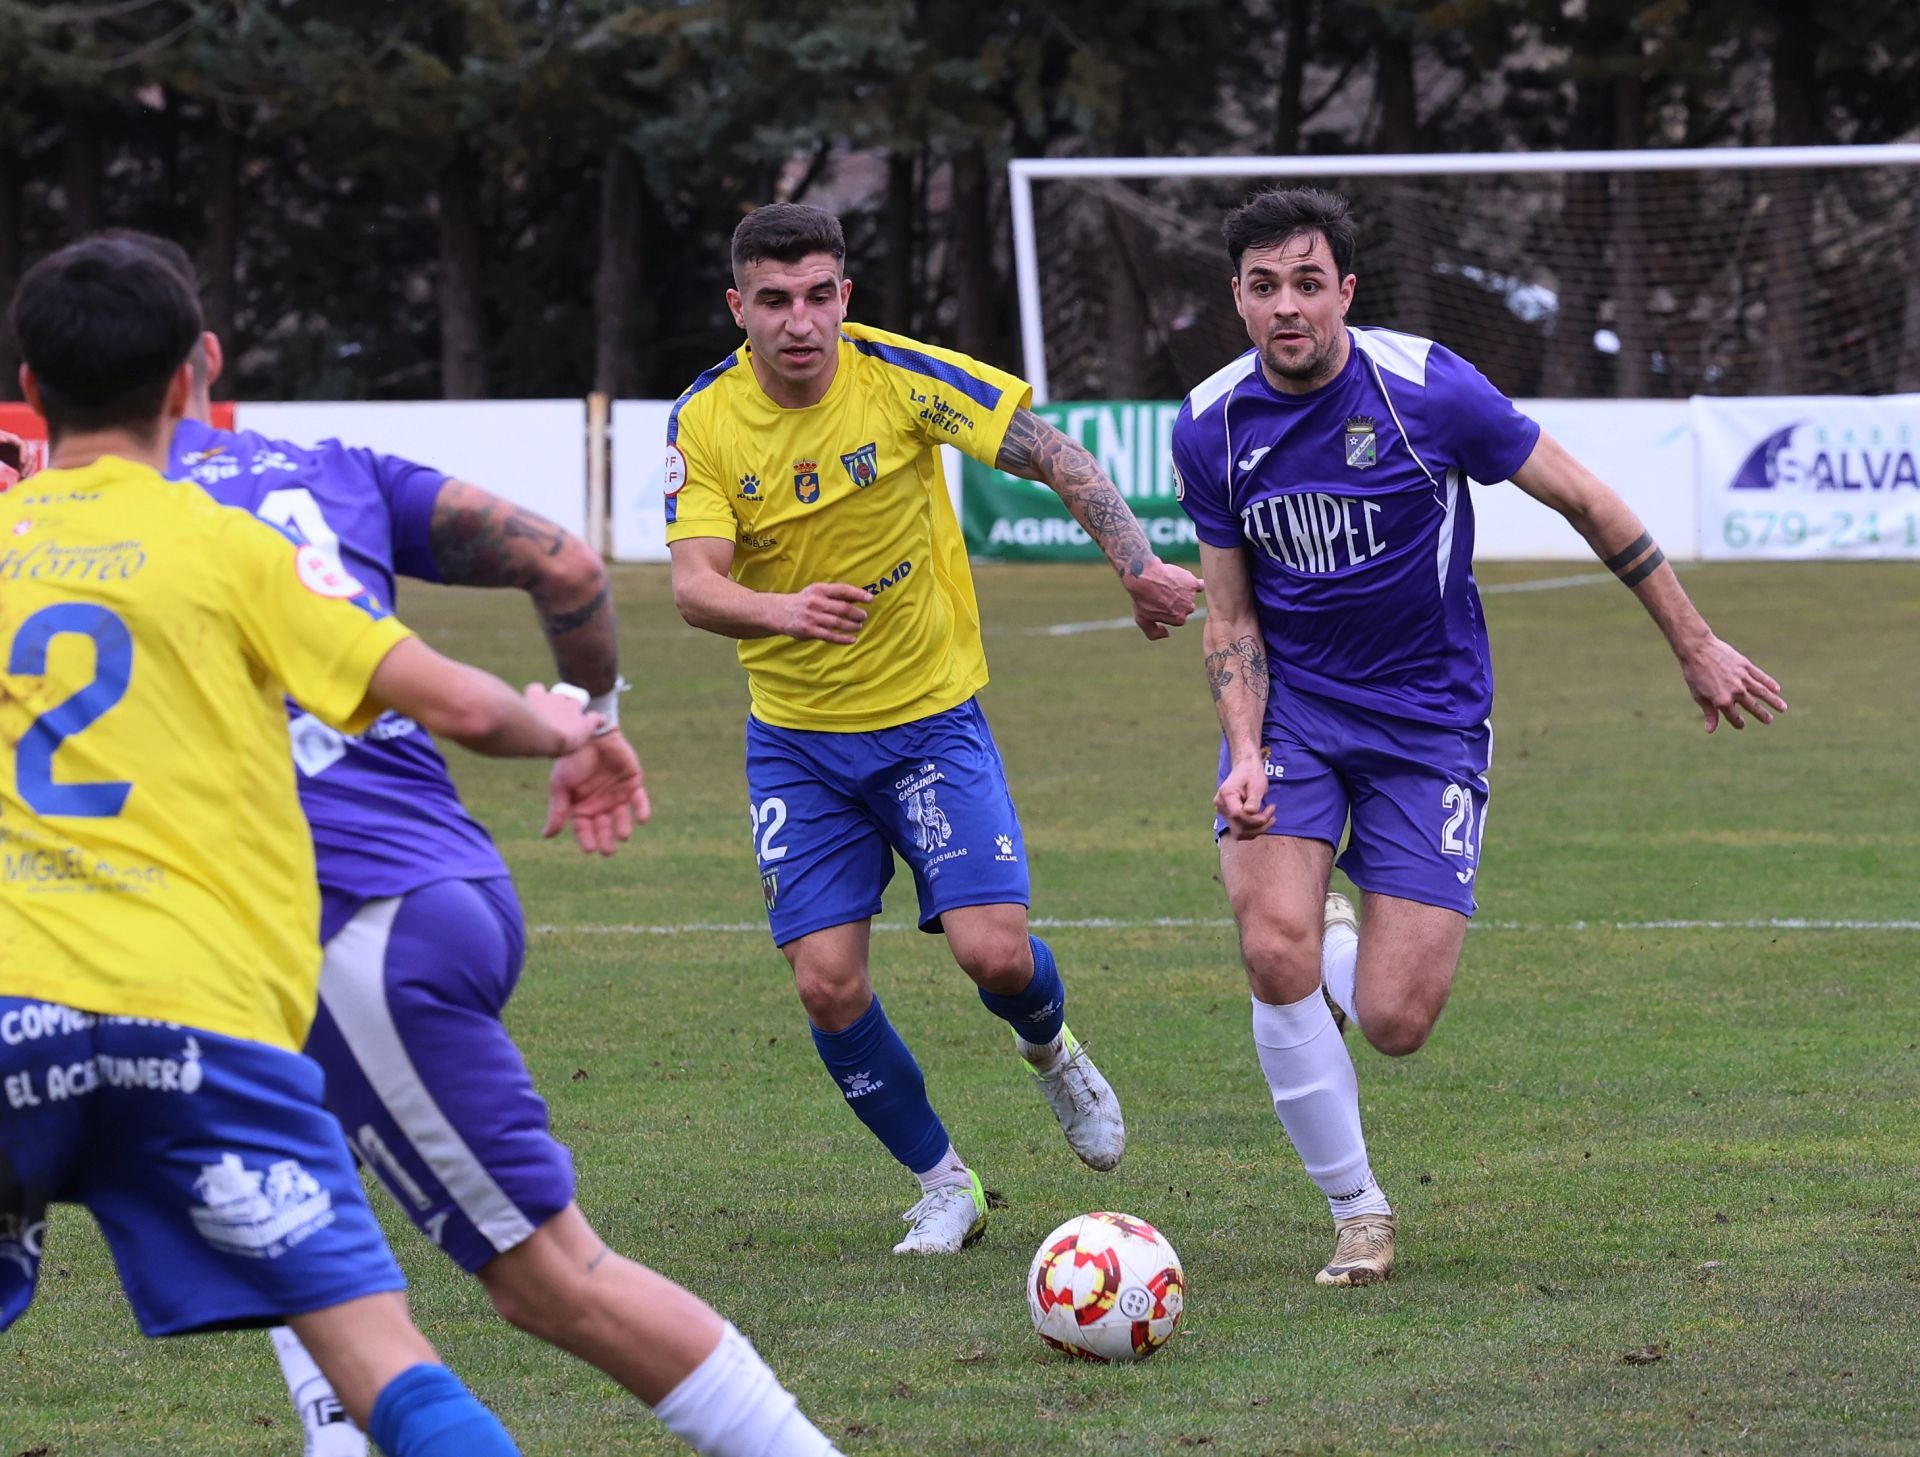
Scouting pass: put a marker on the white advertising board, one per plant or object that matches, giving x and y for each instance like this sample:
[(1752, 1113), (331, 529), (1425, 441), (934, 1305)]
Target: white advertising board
[(1795, 477), (532, 452), (1642, 448)]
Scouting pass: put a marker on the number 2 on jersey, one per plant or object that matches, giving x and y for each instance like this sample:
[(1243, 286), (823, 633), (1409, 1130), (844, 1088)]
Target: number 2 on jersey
[(112, 670), (772, 813)]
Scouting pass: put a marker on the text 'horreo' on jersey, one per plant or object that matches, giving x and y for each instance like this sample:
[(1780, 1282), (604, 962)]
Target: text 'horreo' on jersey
[(1351, 502)]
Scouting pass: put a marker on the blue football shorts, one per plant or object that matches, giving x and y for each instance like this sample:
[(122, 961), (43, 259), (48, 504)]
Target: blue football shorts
[(222, 1186), (1409, 797), (830, 811), (421, 1072)]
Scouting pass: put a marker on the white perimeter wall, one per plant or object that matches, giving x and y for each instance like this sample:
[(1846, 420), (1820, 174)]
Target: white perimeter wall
[(533, 452), (1642, 448)]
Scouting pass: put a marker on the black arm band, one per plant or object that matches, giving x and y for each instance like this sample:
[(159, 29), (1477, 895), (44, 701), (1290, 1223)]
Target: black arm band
[(1620, 558), (1646, 569)]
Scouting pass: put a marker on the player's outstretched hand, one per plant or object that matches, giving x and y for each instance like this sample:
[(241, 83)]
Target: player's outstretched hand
[(1241, 799), (563, 713), (599, 789), (824, 612), (1162, 596), (1725, 685)]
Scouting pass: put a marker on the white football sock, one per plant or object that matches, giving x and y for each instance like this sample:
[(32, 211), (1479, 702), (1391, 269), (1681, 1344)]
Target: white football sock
[(949, 1172), (1044, 1056), (1317, 1099), (732, 1405), (1339, 954), (329, 1431)]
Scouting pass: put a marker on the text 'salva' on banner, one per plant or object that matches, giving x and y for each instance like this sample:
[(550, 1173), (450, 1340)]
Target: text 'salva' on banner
[(1808, 476)]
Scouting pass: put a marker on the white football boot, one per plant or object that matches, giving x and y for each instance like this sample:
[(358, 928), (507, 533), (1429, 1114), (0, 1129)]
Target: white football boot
[(946, 1221), (1083, 1101)]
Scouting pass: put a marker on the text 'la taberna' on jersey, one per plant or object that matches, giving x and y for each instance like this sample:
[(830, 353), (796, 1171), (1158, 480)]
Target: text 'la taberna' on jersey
[(1313, 531)]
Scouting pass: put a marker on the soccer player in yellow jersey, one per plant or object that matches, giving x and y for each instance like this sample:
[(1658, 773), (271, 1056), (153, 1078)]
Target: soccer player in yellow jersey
[(157, 893), (808, 517)]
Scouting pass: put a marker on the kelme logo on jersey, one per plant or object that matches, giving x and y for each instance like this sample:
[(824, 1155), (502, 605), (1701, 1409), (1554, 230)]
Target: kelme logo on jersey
[(806, 481), (863, 465), (749, 488), (1362, 451)]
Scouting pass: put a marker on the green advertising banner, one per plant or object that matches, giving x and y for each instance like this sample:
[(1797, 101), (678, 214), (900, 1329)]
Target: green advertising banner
[(1009, 519)]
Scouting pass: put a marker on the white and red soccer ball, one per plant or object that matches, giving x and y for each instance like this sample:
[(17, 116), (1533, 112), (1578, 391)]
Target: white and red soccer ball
[(1106, 1287)]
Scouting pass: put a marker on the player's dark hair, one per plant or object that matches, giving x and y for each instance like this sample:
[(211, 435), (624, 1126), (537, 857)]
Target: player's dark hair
[(786, 232), (1270, 218), (176, 258), (103, 324)]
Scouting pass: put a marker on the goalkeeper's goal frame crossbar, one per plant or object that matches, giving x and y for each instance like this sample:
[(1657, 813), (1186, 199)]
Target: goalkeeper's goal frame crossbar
[(1023, 172)]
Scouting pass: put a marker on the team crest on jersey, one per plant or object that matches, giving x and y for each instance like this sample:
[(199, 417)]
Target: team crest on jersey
[(1179, 486), (1362, 451), (770, 887), (749, 488), (863, 465), (806, 481)]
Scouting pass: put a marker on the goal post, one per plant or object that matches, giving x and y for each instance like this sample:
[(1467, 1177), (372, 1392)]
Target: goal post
[(1637, 274)]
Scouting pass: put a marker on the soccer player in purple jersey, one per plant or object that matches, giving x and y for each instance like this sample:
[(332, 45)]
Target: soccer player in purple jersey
[(424, 943), (1325, 471)]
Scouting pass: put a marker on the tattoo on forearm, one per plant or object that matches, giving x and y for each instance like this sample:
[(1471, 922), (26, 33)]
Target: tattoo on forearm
[(481, 541), (1637, 561), (1037, 451), (560, 623), (594, 1263), (1245, 652)]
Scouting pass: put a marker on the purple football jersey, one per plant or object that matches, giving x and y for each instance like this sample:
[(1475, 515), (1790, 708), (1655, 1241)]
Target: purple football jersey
[(1351, 502), (386, 818)]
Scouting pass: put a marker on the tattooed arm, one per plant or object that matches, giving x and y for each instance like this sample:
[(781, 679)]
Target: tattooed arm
[(1237, 674), (1162, 593), (1722, 681), (479, 540)]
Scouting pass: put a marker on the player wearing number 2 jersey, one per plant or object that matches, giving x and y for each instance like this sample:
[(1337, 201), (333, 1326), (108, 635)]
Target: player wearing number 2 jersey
[(1326, 474), (157, 967), (424, 939)]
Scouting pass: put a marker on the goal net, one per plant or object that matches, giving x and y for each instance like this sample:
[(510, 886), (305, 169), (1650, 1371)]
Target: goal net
[(1629, 275)]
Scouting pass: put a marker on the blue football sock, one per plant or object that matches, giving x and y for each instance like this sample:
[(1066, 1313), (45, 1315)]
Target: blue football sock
[(426, 1412), (882, 1084), (1039, 1012)]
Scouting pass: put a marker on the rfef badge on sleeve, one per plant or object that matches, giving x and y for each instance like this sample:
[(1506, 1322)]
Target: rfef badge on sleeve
[(1361, 448)]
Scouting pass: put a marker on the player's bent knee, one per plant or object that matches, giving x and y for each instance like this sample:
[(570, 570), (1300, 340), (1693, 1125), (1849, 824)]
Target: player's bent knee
[(1397, 1033), (832, 1003), (1281, 966), (1001, 965)]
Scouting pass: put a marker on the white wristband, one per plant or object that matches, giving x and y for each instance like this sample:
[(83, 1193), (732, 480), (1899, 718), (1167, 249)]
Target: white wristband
[(607, 704)]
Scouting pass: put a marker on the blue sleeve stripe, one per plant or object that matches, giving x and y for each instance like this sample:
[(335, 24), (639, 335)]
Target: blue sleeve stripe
[(673, 416), (986, 395)]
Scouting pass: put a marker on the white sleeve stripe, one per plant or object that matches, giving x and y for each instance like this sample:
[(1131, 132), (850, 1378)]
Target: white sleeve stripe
[(1211, 390), (1402, 354)]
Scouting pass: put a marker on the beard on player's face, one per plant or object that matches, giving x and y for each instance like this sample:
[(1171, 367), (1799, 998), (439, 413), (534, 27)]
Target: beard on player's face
[(1296, 363)]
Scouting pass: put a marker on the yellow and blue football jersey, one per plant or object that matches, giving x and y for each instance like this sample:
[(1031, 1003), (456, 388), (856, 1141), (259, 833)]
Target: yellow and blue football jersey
[(848, 490), (153, 858)]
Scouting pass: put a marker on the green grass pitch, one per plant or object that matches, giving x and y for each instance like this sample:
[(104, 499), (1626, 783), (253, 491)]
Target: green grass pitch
[(1691, 1143)]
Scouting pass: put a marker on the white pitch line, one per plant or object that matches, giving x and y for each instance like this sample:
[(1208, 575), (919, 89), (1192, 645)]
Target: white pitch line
[(1115, 624), (1547, 584), (1179, 923)]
